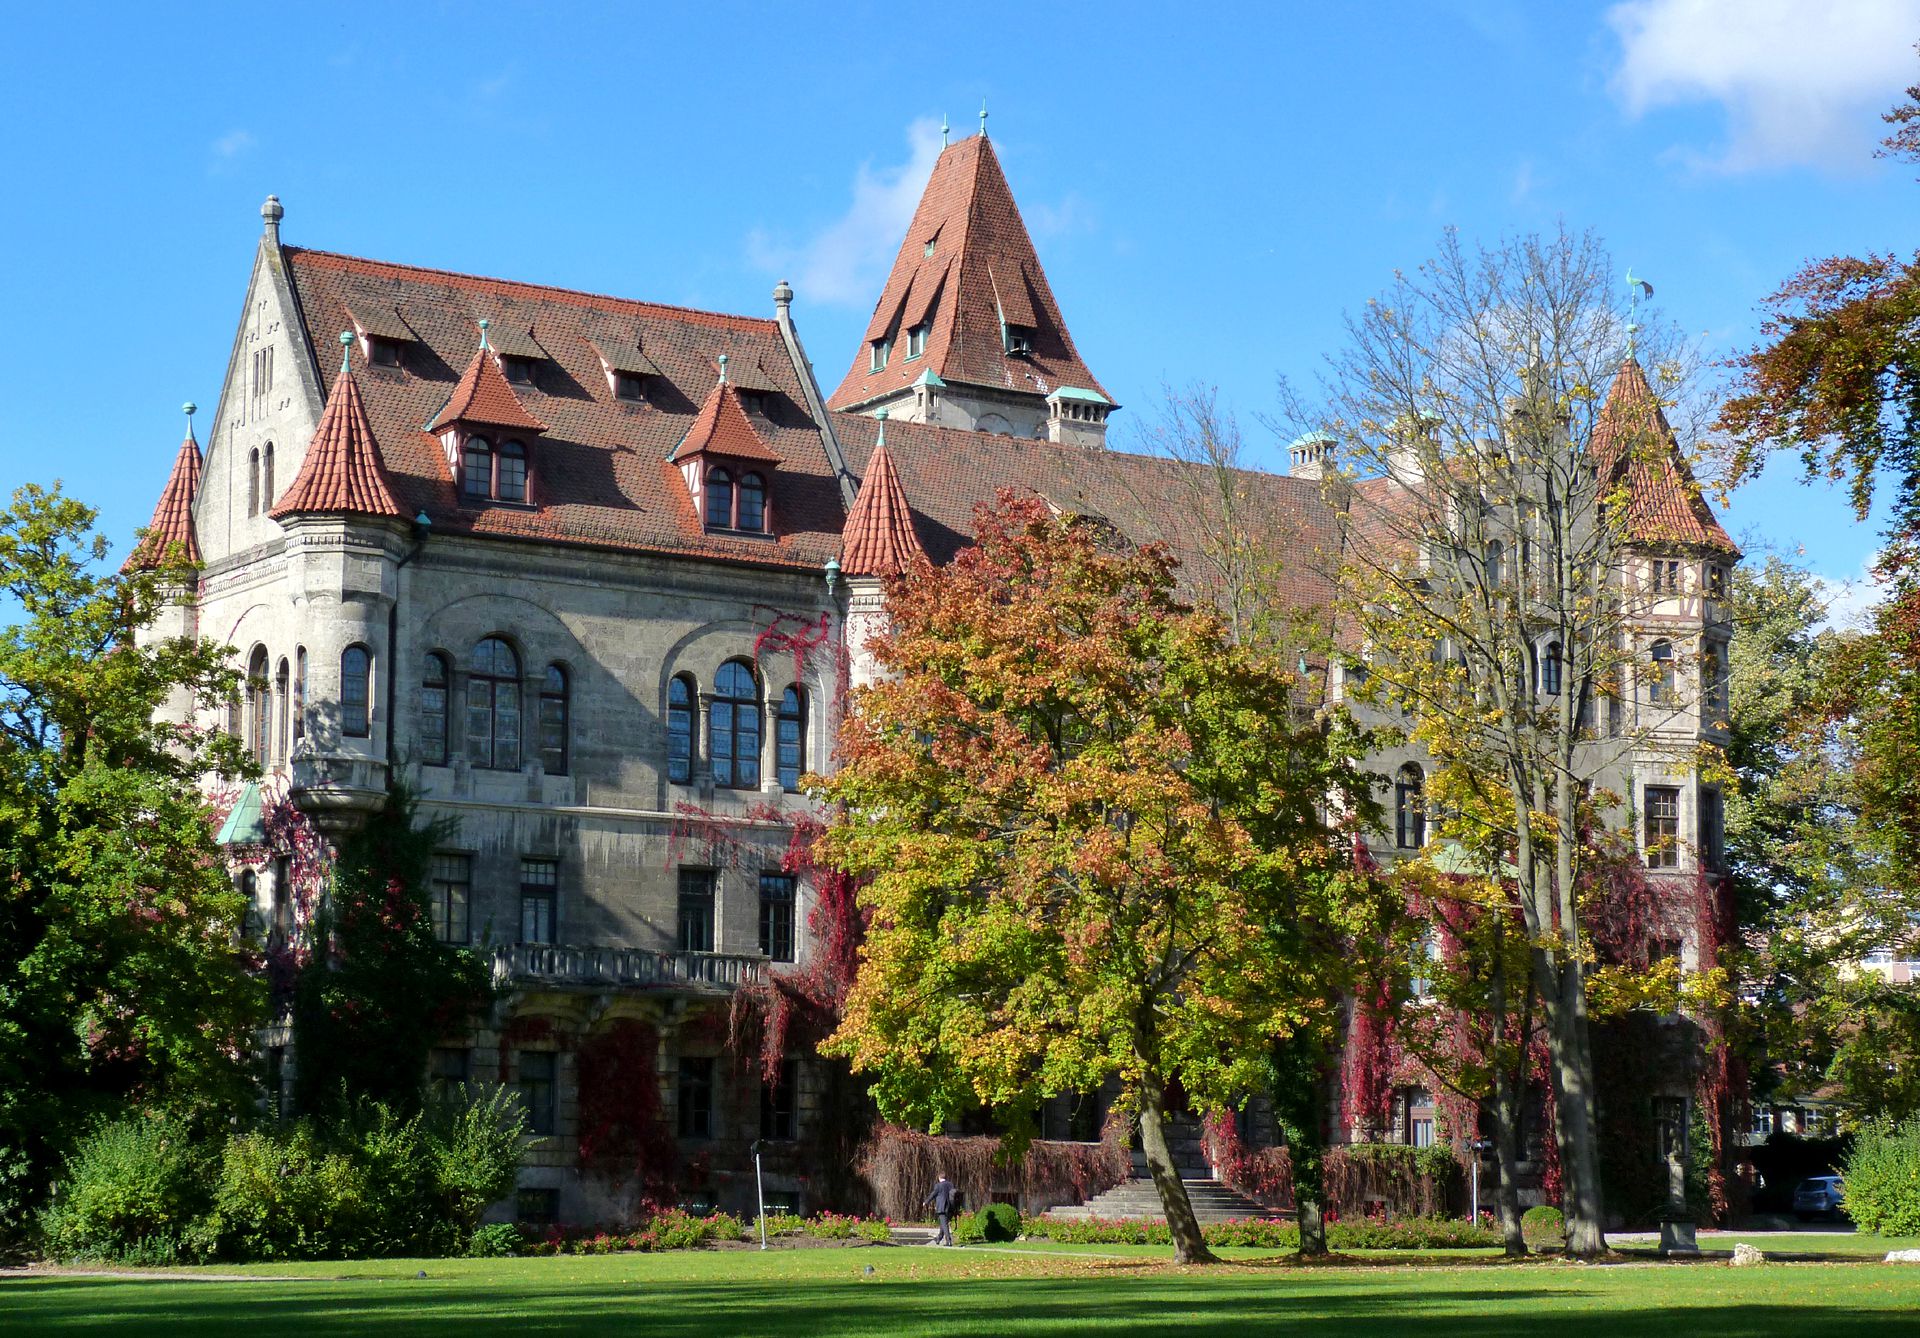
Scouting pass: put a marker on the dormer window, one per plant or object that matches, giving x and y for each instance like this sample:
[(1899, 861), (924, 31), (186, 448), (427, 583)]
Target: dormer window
[(917, 341), (383, 352), (882, 349), (754, 402), (630, 386), (736, 502), (1020, 341), (520, 371), (490, 474)]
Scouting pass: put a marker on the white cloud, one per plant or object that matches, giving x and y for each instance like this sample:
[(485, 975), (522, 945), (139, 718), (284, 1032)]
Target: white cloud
[(1800, 83), (845, 263), (232, 144), (1849, 599)]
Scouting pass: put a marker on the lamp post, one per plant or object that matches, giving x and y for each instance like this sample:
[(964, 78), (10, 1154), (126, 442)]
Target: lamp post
[(1480, 1146), (760, 1192)]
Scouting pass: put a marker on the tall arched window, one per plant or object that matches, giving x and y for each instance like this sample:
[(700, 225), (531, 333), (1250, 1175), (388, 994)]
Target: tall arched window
[(299, 693), (751, 505), (553, 721), (735, 719), (1551, 669), (283, 710), (493, 706), (1496, 563), (356, 692), (1410, 807), (510, 484), (719, 498), (266, 477), (791, 737), (253, 481), (436, 678), (476, 468), (1660, 681), (680, 730), (259, 708)]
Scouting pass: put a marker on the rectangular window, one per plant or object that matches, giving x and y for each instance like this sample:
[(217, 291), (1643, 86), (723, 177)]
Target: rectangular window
[(433, 713), (1666, 576), (776, 1104), (450, 1068), (881, 348), (537, 1071), (383, 352), (630, 387), (537, 1207), (1713, 840), (451, 886), (1663, 826), (283, 897), (776, 916), (539, 884), (917, 341), (517, 370), (1716, 581), (696, 910), (696, 1098)]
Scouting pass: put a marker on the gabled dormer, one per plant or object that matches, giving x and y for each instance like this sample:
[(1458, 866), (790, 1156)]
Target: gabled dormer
[(631, 374), (728, 466), (488, 434)]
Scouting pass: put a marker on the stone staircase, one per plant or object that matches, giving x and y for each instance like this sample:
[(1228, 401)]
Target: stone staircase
[(1137, 1199)]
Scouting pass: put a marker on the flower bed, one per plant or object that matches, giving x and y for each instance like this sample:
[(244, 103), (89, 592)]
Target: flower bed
[(678, 1230)]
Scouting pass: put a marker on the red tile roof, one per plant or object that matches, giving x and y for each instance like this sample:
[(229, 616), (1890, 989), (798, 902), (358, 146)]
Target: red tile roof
[(172, 521), (1634, 444), (601, 476), (483, 397), (968, 258), (341, 471), (723, 428), (879, 539)]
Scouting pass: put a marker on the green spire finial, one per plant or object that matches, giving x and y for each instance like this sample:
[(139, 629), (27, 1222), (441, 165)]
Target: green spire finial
[(189, 409), (346, 352), (1638, 287), (881, 440), (723, 369), (944, 130), (484, 323), (983, 118)]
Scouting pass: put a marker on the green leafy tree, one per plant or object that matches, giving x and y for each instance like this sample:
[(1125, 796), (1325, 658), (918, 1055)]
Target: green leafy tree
[(121, 975), (1093, 828), (378, 988)]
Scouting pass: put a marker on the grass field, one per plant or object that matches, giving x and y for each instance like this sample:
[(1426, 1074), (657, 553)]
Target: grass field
[(917, 1291)]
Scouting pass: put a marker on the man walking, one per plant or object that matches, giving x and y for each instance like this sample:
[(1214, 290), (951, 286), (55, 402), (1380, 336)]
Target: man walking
[(942, 1201)]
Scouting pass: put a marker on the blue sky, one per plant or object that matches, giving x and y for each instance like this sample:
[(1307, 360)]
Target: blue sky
[(1210, 188)]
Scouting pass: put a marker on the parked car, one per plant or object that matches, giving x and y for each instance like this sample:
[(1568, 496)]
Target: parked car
[(1821, 1196)]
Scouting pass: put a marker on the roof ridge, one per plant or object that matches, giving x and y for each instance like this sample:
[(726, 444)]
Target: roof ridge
[(559, 290)]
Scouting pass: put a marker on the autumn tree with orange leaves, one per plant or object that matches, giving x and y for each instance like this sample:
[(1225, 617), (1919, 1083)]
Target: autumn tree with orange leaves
[(1095, 829)]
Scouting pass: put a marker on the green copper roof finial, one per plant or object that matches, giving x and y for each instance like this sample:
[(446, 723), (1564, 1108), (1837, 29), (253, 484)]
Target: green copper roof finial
[(881, 440), (189, 409), (723, 369), (346, 352), (484, 323), (1637, 286), (983, 118), (944, 130)]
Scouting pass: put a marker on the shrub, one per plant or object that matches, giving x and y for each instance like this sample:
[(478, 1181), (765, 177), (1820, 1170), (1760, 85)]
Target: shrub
[(873, 1230), (998, 1222), (781, 1224), (1543, 1225), (136, 1191), (1276, 1233), (1882, 1175), (495, 1240)]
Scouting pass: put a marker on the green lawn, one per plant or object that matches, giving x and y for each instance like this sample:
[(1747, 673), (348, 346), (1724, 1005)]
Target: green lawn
[(918, 1291)]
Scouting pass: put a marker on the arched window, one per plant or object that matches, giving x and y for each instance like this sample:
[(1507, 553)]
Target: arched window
[(266, 477), (680, 730), (1496, 563), (436, 679), (1660, 682), (511, 483), (752, 503), (283, 710), (259, 708), (1551, 669), (493, 706), (719, 499), (1410, 807), (476, 468), (250, 889), (735, 719), (299, 693), (791, 737), (356, 692), (253, 481), (553, 721)]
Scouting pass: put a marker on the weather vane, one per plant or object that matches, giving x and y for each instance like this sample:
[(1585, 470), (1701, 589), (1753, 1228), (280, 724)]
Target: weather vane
[(1639, 288)]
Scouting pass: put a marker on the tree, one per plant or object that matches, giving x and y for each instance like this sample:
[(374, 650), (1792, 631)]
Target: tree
[(378, 988), (1484, 583), (1093, 828), (122, 978)]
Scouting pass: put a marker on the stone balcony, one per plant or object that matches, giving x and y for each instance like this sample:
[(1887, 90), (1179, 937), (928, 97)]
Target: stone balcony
[(565, 966)]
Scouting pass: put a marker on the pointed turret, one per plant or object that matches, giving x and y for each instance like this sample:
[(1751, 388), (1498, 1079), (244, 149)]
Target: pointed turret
[(1634, 444), (342, 472), (879, 538), (172, 521), (723, 428), (484, 398), (968, 302)]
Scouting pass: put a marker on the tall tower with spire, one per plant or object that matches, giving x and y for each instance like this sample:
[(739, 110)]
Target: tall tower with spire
[(967, 333)]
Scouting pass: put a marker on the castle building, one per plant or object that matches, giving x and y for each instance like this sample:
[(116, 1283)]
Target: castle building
[(592, 576)]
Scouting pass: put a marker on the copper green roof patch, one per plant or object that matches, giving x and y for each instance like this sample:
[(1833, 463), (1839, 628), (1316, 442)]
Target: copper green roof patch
[(1076, 393), (245, 824)]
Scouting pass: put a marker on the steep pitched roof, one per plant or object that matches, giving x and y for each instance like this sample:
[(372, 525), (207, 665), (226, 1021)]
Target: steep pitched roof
[(342, 471), (484, 397), (603, 476), (723, 428), (968, 266), (172, 521), (879, 538), (1634, 444)]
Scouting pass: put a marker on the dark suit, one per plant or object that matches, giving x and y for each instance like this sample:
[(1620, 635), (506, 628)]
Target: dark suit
[(942, 1201)]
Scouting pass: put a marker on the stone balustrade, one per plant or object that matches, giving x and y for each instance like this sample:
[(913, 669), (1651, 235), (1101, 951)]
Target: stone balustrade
[(564, 964)]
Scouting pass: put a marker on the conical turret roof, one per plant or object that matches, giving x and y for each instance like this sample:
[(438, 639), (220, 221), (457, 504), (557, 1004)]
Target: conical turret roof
[(172, 521), (1634, 445), (723, 428), (879, 538), (342, 471), (484, 398)]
